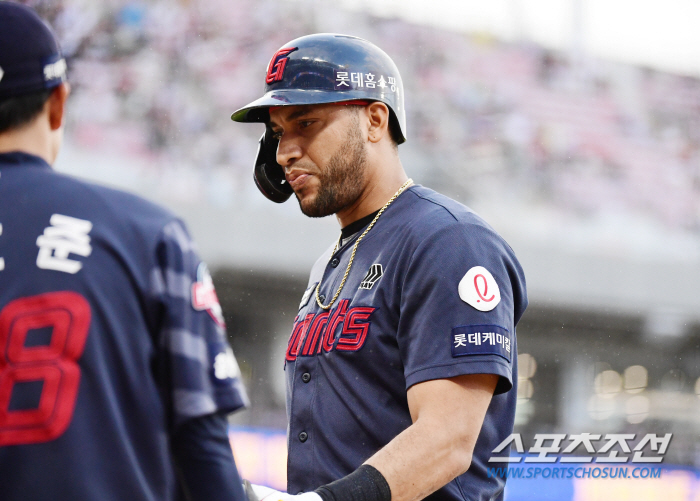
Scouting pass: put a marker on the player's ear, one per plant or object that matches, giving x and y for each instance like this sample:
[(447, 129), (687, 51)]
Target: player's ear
[(57, 105), (378, 116)]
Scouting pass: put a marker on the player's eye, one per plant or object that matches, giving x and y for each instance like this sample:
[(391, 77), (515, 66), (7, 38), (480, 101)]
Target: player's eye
[(277, 135), (303, 124)]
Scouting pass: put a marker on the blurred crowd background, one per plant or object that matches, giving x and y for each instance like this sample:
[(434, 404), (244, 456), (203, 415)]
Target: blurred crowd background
[(156, 79), (590, 168)]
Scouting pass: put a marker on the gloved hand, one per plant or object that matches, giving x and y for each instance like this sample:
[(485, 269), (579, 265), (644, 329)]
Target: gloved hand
[(262, 493)]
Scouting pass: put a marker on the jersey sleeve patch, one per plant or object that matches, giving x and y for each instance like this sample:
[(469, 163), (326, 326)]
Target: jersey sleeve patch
[(481, 340), (479, 289), (204, 296), (225, 365)]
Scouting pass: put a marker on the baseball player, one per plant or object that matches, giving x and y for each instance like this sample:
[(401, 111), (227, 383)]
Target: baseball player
[(402, 361), (115, 375)]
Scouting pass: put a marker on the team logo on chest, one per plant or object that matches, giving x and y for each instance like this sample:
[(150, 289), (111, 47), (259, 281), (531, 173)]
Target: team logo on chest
[(373, 275), (340, 329)]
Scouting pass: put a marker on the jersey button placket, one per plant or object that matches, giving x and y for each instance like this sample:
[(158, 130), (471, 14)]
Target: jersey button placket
[(331, 278), (303, 436), (306, 377)]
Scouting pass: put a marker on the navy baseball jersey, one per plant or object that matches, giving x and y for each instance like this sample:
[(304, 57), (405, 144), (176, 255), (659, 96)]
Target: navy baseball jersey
[(111, 336), (433, 293)]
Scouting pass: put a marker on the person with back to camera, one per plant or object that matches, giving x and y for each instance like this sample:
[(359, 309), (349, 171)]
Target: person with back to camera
[(401, 366), (115, 373)]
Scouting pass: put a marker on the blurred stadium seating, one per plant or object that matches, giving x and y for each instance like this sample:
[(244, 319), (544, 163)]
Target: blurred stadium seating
[(157, 79)]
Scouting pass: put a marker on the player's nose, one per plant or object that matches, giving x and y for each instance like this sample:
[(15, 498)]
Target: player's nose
[(288, 151)]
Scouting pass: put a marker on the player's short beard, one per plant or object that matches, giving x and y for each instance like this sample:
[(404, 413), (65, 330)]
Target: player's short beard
[(342, 180)]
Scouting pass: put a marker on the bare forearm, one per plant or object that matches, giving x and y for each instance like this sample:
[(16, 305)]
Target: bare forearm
[(419, 461), (447, 417)]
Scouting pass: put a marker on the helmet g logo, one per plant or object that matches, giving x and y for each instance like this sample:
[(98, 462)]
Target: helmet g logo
[(275, 70)]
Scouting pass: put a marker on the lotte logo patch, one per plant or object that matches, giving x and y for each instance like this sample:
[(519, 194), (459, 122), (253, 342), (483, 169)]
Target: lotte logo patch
[(479, 289), (275, 70)]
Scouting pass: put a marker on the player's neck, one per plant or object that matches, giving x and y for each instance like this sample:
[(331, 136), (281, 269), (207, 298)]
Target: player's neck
[(383, 181), (35, 139)]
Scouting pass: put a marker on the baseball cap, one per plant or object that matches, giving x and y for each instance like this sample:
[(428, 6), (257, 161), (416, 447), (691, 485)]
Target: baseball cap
[(30, 58)]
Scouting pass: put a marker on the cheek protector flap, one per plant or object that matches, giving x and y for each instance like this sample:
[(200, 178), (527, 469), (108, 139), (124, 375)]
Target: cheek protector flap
[(268, 174)]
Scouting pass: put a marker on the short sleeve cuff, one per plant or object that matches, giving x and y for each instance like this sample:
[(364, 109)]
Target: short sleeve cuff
[(485, 365), (231, 399)]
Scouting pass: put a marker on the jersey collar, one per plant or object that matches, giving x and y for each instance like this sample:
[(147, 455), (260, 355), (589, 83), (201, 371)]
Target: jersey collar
[(22, 159), (356, 226)]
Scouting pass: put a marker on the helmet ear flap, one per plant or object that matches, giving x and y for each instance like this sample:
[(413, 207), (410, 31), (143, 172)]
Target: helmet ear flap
[(268, 174)]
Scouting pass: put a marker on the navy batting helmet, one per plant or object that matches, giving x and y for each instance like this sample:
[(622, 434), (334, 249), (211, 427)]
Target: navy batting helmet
[(320, 69)]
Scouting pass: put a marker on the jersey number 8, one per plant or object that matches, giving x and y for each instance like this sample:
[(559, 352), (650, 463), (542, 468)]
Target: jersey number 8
[(54, 365)]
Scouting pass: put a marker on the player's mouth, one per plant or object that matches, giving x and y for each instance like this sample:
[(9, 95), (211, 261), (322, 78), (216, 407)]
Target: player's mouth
[(297, 179)]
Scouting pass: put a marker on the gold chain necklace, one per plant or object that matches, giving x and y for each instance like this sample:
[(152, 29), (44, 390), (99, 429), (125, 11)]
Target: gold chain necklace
[(354, 248)]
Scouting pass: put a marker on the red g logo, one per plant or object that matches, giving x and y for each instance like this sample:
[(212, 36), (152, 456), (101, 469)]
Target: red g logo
[(275, 70)]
